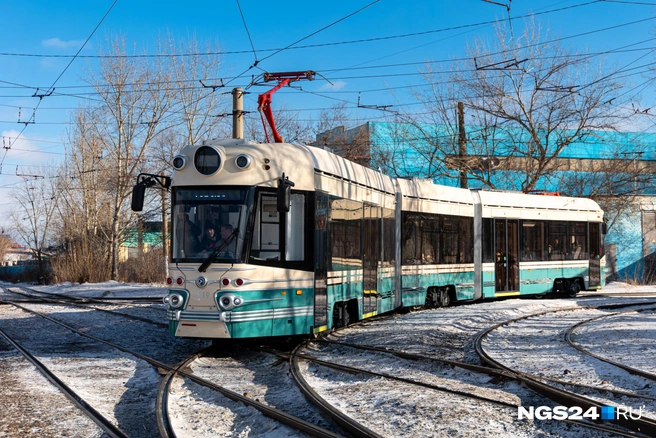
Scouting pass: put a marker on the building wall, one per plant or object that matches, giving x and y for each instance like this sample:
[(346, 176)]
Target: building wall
[(626, 235)]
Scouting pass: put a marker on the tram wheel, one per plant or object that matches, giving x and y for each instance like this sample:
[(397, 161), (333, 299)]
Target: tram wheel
[(574, 289), (340, 316), (445, 298)]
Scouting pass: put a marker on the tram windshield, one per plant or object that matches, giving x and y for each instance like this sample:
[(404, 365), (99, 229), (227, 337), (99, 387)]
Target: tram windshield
[(204, 218)]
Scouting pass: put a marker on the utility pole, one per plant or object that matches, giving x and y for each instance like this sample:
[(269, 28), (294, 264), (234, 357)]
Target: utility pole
[(237, 113), (462, 143), (165, 230)]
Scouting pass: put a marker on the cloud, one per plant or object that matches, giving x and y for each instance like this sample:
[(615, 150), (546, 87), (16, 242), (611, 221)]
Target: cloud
[(334, 87), (59, 44)]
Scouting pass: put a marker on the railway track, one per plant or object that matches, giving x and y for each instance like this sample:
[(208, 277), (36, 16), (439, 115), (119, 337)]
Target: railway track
[(101, 421), (78, 302), (569, 338), (601, 293), (181, 370), (471, 391), (103, 300), (644, 426), (163, 421)]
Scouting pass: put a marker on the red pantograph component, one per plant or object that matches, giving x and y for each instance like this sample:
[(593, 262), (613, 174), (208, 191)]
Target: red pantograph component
[(264, 99)]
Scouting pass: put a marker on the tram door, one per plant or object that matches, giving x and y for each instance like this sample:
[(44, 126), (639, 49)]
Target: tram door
[(595, 256), (371, 257), (507, 255), (320, 259)]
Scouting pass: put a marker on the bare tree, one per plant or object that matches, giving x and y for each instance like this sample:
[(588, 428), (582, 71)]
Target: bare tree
[(527, 100), (332, 131), (149, 108), (84, 212), (37, 198), (133, 106)]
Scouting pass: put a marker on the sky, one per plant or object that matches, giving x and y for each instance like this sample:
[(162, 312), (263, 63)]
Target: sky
[(361, 48)]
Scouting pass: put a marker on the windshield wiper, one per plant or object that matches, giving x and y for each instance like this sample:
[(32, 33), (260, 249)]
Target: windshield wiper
[(217, 250)]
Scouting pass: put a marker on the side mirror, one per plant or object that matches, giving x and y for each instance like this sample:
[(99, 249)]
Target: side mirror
[(138, 192), (145, 180), (284, 200), (604, 228)]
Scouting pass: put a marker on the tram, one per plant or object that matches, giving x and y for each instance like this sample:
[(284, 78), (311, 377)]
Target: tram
[(310, 241)]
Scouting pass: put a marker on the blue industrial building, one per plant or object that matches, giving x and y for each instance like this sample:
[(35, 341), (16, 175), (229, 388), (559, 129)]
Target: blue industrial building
[(626, 159)]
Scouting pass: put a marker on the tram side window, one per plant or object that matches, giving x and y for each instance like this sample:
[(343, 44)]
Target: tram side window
[(345, 230), (578, 245), (596, 249), (450, 239), (466, 240), (295, 229), (557, 246), (420, 239), (389, 237), (532, 241), (488, 240), (430, 247), (266, 233), (371, 241), (410, 250)]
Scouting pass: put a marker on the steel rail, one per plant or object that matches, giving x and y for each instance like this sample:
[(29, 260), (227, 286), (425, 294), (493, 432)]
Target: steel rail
[(496, 373), (164, 425), (268, 411), (347, 423), (644, 427), (101, 300), (102, 422), (355, 370), (88, 306), (570, 332)]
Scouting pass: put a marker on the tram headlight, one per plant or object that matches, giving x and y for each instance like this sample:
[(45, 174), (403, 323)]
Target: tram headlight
[(207, 160), (227, 302), (175, 300), (243, 162), (179, 162)]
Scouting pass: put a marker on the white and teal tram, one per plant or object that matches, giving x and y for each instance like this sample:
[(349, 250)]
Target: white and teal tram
[(313, 241)]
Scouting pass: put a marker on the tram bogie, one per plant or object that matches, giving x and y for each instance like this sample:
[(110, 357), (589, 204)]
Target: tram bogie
[(284, 240)]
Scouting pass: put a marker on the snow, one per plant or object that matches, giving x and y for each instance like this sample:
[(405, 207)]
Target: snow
[(124, 388)]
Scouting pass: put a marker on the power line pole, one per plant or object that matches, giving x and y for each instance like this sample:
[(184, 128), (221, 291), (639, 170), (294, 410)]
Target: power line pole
[(237, 113), (462, 143), (165, 231)]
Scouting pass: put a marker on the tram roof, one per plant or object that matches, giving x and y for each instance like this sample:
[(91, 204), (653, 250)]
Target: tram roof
[(535, 201), (300, 161)]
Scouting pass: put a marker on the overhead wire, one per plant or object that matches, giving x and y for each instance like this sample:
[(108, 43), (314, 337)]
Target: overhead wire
[(329, 97), (309, 46), (51, 88), (243, 20)]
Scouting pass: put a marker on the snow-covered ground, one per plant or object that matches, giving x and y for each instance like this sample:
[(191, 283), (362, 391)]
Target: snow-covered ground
[(124, 388)]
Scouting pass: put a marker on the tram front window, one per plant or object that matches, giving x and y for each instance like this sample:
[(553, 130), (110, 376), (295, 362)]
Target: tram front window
[(204, 219)]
